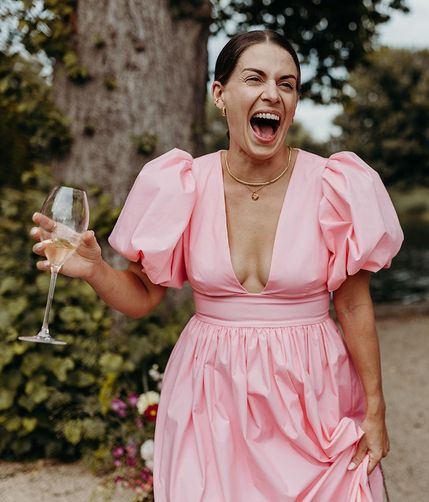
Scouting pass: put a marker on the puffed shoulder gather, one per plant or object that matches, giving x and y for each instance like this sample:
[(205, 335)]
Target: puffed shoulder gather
[(155, 216), (358, 221)]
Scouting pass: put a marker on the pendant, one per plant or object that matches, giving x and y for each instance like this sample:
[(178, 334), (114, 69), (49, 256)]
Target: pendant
[(255, 196)]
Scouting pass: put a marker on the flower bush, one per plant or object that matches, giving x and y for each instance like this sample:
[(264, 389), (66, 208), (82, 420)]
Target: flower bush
[(132, 447), (55, 401)]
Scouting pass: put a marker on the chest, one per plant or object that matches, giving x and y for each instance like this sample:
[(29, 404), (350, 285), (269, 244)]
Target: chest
[(252, 228), (275, 241)]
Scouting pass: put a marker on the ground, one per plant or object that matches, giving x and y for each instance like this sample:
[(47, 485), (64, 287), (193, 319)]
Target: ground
[(404, 336)]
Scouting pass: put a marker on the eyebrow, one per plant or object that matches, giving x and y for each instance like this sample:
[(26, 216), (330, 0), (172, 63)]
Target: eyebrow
[(262, 73)]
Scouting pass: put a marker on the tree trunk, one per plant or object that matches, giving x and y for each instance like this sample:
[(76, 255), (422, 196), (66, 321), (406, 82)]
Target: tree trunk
[(147, 88)]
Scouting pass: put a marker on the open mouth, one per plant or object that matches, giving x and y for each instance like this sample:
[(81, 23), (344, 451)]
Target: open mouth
[(265, 125)]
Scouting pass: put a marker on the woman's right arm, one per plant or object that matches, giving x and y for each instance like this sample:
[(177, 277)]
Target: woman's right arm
[(129, 291)]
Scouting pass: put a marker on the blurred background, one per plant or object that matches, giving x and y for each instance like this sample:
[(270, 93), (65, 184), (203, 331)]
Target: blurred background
[(92, 90)]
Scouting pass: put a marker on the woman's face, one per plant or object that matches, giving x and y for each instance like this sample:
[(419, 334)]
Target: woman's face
[(260, 98)]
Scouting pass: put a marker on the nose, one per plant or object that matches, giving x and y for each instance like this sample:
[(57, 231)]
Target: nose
[(271, 92)]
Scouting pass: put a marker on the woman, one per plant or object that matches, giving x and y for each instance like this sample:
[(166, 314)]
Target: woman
[(263, 400)]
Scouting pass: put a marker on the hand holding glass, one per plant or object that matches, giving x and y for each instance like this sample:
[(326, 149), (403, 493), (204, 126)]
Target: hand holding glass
[(68, 210)]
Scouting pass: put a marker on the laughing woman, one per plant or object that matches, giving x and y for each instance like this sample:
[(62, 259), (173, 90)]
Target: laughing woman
[(263, 399)]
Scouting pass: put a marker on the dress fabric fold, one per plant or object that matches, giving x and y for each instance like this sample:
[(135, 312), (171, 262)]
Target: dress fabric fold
[(260, 400)]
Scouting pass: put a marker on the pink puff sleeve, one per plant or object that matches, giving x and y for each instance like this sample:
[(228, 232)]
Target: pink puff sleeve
[(155, 216), (358, 221)]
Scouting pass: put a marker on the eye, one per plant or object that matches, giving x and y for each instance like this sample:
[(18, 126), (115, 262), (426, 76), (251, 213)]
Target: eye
[(287, 84), (253, 78)]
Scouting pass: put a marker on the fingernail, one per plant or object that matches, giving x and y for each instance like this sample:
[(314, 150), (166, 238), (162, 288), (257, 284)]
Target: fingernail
[(351, 466), (37, 246), (33, 231)]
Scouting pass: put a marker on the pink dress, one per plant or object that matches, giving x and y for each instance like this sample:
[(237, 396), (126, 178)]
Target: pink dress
[(260, 400)]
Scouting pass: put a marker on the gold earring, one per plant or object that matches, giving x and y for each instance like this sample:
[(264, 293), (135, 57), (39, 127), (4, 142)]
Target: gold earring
[(223, 111)]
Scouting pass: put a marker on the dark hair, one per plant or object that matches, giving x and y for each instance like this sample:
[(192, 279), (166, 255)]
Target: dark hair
[(230, 54)]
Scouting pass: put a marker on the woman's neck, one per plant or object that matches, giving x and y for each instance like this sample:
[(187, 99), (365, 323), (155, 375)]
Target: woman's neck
[(252, 169)]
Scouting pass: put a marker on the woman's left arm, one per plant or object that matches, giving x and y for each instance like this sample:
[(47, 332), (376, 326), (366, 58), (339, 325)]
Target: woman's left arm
[(355, 313)]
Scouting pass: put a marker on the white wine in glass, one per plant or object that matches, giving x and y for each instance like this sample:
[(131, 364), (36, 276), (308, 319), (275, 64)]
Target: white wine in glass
[(68, 209)]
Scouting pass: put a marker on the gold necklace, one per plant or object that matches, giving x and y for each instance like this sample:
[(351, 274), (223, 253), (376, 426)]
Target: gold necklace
[(258, 184)]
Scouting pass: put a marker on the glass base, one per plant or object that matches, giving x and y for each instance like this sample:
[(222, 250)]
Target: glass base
[(41, 339)]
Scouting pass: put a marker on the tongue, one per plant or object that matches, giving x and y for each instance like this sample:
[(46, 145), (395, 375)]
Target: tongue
[(263, 130)]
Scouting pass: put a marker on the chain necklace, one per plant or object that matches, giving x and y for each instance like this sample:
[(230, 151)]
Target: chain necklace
[(258, 184)]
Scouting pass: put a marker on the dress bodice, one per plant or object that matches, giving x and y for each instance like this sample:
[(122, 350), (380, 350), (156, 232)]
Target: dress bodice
[(336, 219)]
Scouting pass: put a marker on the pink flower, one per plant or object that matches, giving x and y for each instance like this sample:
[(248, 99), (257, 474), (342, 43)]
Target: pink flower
[(145, 474), (139, 423), (131, 462), (118, 452), (132, 399), (117, 463), (119, 407), (131, 450)]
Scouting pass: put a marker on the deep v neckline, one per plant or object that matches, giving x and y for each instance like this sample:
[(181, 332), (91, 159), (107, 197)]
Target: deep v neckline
[(279, 225)]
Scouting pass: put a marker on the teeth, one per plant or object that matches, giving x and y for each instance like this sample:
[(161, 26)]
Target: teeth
[(270, 116)]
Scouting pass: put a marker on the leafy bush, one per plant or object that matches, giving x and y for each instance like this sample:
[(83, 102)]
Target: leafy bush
[(31, 128), (131, 447), (56, 400)]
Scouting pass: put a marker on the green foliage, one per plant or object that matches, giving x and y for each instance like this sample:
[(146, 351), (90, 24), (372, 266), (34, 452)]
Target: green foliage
[(145, 143), (332, 35), (31, 129), (56, 400), (386, 115), (110, 83), (299, 137), (48, 27), (77, 73), (99, 42)]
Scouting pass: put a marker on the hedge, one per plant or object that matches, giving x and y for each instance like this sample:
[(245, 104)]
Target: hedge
[(55, 401)]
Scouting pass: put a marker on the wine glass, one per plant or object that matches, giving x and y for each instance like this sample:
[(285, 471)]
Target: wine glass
[(68, 209)]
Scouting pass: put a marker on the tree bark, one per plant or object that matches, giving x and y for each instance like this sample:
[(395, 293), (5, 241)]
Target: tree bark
[(148, 75)]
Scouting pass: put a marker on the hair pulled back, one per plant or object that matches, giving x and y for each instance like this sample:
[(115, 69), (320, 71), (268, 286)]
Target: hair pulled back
[(231, 52)]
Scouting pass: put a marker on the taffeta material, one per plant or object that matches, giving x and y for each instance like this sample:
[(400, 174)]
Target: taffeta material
[(260, 400)]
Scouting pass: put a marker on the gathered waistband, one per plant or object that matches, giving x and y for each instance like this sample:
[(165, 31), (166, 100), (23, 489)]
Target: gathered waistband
[(261, 310)]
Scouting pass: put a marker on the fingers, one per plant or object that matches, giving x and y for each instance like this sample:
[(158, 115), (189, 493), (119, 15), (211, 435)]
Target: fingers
[(45, 228), (386, 445), (374, 459), (35, 234), (43, 265), (375, 455), (44, 222), (48, 225), (359, 454), (88, 237), (39, 248)]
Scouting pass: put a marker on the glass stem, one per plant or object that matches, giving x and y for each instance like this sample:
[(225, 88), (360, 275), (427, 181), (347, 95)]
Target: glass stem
[(54, 274)]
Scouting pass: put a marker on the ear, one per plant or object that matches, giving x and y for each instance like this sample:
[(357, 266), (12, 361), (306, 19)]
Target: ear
[(217, 93)]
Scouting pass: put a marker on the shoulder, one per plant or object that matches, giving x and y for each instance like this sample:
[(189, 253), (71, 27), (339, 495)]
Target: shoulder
[(344, 165), (177, 157), (206, 164), (311, 163), (343, 160), (173, 159)]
